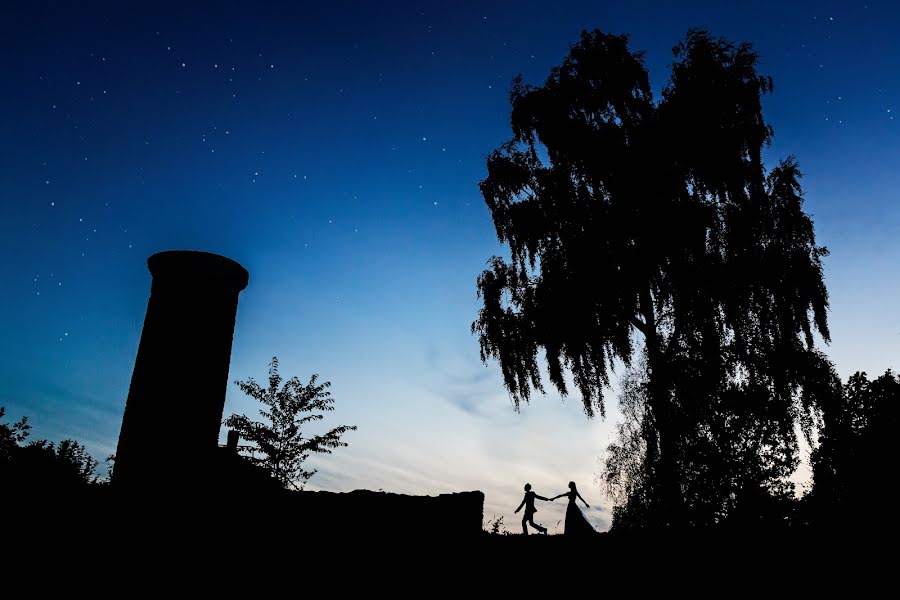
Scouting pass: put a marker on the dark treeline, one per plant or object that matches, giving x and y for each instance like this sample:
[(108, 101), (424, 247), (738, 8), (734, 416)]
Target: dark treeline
[(38, 466), (855, 462), (734, 476)]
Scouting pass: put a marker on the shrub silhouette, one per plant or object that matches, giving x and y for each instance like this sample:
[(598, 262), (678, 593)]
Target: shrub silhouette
[(40, 465), (278, 443)]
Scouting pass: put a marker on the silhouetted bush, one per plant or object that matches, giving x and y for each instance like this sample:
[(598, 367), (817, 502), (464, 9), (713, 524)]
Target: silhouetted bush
[(278, 443), (40, 465)]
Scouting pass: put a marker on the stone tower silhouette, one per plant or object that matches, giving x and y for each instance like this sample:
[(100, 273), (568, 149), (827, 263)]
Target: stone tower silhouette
[(170, 428)]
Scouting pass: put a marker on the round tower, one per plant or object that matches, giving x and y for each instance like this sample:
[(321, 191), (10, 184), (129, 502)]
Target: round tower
[(170, 429)]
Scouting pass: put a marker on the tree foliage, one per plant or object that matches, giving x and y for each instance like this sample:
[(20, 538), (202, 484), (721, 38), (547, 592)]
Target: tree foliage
[(12, 435), (857, 453), (66, 462), (40, 464), (650, 230), (278, 442), (734, 459)]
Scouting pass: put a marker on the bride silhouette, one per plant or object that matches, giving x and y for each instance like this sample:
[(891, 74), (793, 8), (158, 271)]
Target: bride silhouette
[(576, 524)]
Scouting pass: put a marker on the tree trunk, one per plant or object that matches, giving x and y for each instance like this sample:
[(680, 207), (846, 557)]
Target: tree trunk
[(670, 509)]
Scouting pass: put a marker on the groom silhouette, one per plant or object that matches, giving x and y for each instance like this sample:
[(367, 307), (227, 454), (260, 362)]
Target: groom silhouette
[(528, 503)]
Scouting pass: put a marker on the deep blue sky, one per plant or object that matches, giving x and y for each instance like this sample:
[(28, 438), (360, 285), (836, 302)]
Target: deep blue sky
[(334, 150)]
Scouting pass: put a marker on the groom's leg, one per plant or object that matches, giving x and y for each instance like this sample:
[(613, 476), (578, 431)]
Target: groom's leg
[(525, 524), (535, 525)]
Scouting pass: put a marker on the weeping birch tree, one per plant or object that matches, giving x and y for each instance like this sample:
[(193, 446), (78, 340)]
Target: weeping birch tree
[(649, 231)]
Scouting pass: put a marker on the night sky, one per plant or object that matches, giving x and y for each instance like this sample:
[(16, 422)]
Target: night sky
[(334, 150)]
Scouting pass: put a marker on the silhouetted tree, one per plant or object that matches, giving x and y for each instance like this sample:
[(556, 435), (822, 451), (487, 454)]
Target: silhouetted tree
[(40, 464), (11, 435), (278, 442), (857, 455), (735, 456), (625, 471), (66, 463), (110, 468), (631, 220)]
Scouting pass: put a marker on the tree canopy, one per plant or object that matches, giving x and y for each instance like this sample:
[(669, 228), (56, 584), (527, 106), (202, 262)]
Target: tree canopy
[(643, 230)]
